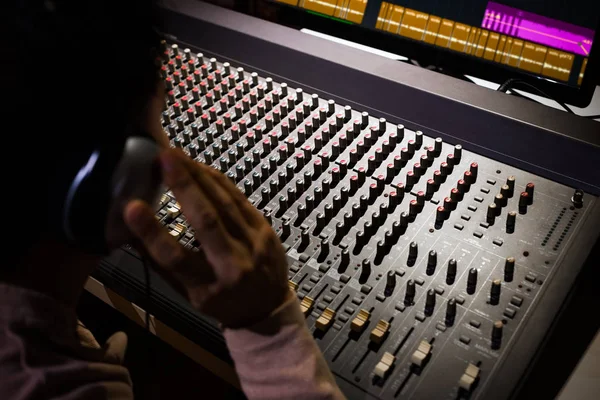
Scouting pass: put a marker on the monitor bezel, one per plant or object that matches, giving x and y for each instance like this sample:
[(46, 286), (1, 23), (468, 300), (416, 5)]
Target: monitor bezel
[(450, 62)]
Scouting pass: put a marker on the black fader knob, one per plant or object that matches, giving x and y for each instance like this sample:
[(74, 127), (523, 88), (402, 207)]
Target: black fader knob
[(411, 290), (495, 290), (390, 283), (472, 280), (450, 312), (451, 271), (365, 271), (497, 329), (344, 261), (509, 269), (430, 302)]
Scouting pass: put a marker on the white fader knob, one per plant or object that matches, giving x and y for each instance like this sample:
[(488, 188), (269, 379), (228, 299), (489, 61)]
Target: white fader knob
[(468, 379), (420, 355), (384, 366)]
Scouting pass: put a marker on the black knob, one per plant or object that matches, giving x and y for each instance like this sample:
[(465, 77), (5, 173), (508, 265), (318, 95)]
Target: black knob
[(451, 271), (497, 334), (457, 153), (450, 312), (409, 296), (509, 269), (390, 283), (473, 169), (344, 261), (491, 213), (404, 220), (304, 240), (430, 188), (500, 201), (529, 189), (324, 250), (265, 197), (432, 259), (505, 191), (511, 220), (285, 231), (510, 182), (413, 250), (283, 204), (382, 249), (413, 208), (321, 222), (440, 214), (577, 198), (472, 281), (361, 240), (523, 202), (365, 271), (340, 231), (430, 302), (301, 215), (495, 291)]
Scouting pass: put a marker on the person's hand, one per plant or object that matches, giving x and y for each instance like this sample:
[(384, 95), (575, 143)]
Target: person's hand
[(239, 276)]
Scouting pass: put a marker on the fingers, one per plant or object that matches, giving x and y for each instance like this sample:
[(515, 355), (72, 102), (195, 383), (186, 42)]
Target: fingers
[(219, 187), (250, 213), (200, 212), (161, 246)]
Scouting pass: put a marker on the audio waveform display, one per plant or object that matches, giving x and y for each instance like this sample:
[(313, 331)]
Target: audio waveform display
[(475, 41), (536, 28)]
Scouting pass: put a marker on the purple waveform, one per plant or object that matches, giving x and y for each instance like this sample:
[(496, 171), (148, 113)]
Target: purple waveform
[(536, 28)]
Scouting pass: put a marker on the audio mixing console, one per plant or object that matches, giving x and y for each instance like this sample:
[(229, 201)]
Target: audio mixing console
[(414, 259)]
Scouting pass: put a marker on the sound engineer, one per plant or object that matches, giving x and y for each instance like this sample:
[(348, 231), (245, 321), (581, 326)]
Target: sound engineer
[(76, 73)]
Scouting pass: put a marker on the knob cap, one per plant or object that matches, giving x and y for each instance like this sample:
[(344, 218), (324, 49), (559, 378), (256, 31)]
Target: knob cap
[(509, 269), (410, 292), (472, 281)]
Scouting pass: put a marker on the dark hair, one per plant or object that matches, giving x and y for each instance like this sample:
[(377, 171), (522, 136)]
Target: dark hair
[(74, 75)]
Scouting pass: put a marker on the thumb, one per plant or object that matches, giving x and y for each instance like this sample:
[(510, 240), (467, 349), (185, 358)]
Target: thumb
[(115, 347)]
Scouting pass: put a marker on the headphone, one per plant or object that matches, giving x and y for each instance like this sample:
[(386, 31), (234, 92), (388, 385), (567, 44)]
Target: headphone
[(112, 175)]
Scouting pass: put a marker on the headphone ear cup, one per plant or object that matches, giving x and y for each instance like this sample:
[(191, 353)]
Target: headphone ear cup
[(137, 176), (93, 211)]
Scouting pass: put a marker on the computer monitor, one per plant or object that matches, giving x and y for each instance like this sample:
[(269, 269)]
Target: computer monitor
[(547, 43)]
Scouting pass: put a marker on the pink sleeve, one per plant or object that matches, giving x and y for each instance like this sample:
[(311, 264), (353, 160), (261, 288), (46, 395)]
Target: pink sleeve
[(279, 359)]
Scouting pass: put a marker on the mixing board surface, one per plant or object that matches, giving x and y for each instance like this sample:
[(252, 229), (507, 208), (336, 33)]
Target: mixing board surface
[(413, 258)]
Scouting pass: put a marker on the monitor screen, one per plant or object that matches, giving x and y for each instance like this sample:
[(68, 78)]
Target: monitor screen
[(548, 39)]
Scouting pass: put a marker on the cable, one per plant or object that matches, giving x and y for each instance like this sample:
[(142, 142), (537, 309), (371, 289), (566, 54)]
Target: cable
[(509, 84), (148, 291)]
